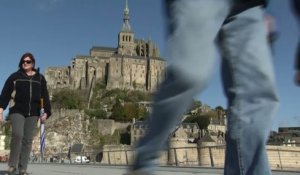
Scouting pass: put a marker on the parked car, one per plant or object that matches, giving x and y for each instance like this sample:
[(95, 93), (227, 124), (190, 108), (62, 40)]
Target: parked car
[(81, 159)]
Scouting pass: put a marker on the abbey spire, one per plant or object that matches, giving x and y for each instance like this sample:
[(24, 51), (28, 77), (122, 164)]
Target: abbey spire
[(126, 26)]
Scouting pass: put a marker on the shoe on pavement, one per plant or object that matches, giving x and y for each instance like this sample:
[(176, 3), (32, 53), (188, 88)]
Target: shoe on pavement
[(11, 170), (137, 172), (23, 172)]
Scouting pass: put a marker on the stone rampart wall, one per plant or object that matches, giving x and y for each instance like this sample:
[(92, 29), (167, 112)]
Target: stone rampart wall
[(108, 127), (280, 157)]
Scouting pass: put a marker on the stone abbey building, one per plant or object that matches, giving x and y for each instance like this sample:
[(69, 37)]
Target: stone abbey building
[(133, 64)]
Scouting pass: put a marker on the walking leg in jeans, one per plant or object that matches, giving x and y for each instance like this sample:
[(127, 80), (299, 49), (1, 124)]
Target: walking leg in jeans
[(250, 88), (29, 131), (193, 27), (17, 124)]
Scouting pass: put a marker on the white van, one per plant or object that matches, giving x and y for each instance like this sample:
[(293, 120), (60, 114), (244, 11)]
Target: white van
[(82, 159)]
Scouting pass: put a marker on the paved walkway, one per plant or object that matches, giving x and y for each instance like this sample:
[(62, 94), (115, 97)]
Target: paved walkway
[(66, 169)]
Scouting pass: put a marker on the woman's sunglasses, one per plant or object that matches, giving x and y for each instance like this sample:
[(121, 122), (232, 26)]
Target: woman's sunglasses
[(27, 61)]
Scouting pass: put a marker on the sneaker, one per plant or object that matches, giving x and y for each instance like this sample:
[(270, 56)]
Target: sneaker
[(11, 170)]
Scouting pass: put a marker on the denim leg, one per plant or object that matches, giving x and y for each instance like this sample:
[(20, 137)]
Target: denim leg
[(249, 84), (193, 27)]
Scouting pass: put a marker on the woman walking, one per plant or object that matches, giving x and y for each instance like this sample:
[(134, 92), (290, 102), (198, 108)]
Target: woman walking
[(22, 92)]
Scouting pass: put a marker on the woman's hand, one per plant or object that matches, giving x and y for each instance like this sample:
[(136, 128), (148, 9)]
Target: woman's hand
[(44, 117), (1, 115)]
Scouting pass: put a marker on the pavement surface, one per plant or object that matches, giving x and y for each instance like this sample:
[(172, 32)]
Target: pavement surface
[(66, 169)]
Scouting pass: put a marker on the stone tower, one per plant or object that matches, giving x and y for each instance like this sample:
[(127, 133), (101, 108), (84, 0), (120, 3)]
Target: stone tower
[(126, 43)]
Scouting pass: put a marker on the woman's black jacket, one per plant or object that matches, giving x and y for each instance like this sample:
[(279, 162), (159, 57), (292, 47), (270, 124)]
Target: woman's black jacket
[(23, 94)]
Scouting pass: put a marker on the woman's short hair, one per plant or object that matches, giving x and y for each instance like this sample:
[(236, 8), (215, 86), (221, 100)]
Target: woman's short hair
[(27, 54)]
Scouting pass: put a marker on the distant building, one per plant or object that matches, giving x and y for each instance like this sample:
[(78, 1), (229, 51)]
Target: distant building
[(288, 129), (190, 132), (138, 130), (132, 64), (218, 125), (286, 136)]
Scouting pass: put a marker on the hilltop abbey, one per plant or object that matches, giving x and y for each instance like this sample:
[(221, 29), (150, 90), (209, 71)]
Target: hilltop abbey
[(133, 64)]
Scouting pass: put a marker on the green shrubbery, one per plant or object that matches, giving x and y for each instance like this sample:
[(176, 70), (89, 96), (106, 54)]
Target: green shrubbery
[(68, 99), (117, 104)]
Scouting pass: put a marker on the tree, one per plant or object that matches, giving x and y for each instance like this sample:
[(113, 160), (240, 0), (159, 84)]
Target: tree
[(219, 108), (118, 111), (131, 111), (195, 106), (97, 113), (203, 121), (197, 103)]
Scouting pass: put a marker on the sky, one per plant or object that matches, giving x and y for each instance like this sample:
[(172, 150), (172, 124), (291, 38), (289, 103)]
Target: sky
[(55, 31)]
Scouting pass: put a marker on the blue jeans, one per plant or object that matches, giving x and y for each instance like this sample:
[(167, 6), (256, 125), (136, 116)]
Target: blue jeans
[(195, 28)]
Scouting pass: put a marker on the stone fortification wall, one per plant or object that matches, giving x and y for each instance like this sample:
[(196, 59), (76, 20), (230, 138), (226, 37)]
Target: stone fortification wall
[(177, 156), (280, 157), (117, 154), (122, 125)]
